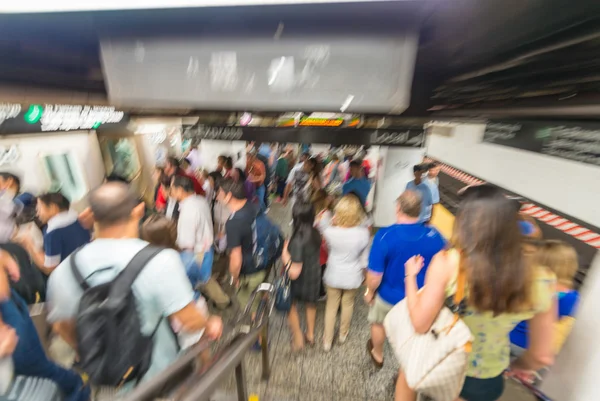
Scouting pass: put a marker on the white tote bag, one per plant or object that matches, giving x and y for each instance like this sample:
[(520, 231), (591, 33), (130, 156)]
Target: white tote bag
[(434, 363)]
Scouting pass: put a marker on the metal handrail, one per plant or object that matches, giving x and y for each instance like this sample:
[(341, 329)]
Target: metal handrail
[(232, 358), (239, 339)]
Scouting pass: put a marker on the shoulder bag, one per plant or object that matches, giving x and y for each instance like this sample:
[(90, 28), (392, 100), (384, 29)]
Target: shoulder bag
[(434, 363), (283, 290)]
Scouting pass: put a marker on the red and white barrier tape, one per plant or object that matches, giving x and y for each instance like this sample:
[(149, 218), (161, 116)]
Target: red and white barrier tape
[(560, 223)]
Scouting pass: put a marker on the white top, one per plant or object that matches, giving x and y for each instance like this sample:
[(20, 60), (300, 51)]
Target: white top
[(61, 220), (348, 255), (208, 190), (194, 226), (297, 167)]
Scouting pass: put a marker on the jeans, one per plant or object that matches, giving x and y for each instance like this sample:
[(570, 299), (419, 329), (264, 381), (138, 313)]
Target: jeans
[(198, 274), (260, 194), (29, 357)]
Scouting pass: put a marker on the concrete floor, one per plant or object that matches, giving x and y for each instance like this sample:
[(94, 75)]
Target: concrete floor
[(346, 373)]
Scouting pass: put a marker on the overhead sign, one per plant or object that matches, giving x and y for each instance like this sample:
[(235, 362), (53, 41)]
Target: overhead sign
[(9, 111), (407, 137), (568, 140), (38, 6), (16, 119), (319, 120)]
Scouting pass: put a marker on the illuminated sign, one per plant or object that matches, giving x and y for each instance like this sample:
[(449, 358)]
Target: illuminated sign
[(9, 111), (68, 118), (333, 120), (321, 122), (15, 119), (34, 114)]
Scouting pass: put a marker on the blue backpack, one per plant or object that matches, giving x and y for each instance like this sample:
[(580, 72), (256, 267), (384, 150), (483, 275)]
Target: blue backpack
[(267, 243)]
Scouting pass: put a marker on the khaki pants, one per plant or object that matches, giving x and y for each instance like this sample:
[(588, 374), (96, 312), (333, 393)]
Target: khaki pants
[(214, 292), (248, 283), (334, 298)]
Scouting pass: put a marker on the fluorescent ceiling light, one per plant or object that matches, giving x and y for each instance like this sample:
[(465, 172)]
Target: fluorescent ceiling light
[(44, 6)]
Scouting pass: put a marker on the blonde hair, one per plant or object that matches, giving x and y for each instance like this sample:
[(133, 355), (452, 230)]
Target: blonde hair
[(319, 201), (348, 212), (561, 258)]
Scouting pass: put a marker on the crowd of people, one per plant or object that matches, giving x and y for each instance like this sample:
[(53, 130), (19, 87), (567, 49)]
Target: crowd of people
[(519, 287)]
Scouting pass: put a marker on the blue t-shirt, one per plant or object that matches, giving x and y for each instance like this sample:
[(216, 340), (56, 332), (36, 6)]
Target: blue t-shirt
[(63, 235), (393, 246), (435, 190), (526, 227), (426, 198), (567, 301), (360, 187)]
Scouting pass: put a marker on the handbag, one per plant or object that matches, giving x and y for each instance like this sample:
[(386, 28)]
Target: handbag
[(283, 290), (434, 363)]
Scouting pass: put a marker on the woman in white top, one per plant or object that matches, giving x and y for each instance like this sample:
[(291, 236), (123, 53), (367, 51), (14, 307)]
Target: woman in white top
[(348, 242)]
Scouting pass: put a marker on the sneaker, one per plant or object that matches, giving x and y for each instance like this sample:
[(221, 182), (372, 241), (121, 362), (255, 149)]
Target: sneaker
[(327, 347), (256, 347), (343, 338)]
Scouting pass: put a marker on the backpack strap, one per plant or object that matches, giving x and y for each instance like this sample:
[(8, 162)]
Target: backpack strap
[(76, 273), (123, 282)]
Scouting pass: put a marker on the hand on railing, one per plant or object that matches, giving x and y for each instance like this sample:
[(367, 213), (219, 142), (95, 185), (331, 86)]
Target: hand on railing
[(214, 327)]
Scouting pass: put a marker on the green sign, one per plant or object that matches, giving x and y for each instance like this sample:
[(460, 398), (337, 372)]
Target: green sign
[(33, 115)]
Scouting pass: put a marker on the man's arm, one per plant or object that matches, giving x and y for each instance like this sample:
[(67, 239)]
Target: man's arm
[(39, 257), (376, 267), (235, 262), (62, 301), (66, 330), (165, 280)]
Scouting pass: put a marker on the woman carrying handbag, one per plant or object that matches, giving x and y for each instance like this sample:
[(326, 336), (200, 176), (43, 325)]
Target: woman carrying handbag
[(301, 254), (501, 286)]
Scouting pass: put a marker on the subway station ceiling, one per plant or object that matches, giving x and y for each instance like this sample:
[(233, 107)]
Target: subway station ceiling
[(475, 57)]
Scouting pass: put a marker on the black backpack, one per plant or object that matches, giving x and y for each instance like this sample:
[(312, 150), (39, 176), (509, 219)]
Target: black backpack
[(112, 348), (32, 284)]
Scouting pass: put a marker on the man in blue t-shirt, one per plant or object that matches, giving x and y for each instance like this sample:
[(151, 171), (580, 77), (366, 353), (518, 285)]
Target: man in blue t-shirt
[(420, 186), (63, 233), (392, 247), (432, 179), (358, 183)]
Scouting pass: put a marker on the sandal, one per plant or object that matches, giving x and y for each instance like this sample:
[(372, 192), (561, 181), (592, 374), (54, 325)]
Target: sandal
[(310, 343), (370, 347)]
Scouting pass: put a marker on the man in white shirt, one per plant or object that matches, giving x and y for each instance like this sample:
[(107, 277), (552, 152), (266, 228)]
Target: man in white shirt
[(195, 233)]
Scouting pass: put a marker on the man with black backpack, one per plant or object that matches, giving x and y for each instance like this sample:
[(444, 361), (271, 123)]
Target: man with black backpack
[(253, 241), (113, 300)]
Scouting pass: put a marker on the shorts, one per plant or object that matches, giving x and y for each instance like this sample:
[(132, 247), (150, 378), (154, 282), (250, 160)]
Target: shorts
[(379, 311), (476, 389), (248, 283)]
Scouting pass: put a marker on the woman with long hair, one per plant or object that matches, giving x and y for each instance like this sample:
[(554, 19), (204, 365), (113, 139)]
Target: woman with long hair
[(160, 231), (322, 204), (504, 286), (348, 243), (301, 252)]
